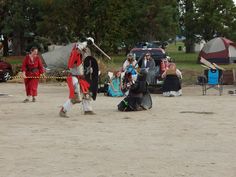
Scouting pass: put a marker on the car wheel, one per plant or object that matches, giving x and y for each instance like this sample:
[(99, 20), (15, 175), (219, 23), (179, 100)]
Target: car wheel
[(6, 76)]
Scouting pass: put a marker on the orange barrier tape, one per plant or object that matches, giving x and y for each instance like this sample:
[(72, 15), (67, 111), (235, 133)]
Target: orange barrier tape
[(41, 77)]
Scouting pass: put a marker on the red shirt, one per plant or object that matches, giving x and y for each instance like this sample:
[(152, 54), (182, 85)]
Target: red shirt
[(32, 68), (75, 58)]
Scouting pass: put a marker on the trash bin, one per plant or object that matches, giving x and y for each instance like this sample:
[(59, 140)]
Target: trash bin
[(180, 48)]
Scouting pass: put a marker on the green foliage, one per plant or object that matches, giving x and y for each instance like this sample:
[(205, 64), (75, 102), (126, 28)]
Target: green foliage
[(113, 22), (18, 20), (110, 22), (215, 18), (201, 19)]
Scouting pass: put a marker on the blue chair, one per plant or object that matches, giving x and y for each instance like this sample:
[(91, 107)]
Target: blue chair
[(212, 78)]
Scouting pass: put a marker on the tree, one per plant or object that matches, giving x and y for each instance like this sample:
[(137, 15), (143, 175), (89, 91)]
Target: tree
[(2, 14), (57, 21), (158, 21), (17, 22), (187, 23), (202, 19), (215, 18)]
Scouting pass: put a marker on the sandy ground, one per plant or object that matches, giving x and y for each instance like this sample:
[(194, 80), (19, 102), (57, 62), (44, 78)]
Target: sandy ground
[(188, 136)]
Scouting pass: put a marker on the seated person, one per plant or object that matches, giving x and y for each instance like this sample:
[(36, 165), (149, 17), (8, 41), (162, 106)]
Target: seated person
[(115, 85), (130, 65), (172, 86), (138, 98), (148, 64)]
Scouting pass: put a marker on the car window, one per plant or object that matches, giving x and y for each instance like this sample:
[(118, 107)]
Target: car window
[(156, 54)]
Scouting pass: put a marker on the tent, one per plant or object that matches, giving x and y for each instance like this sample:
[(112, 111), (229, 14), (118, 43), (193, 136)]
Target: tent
[(58, 58), (219, 50)]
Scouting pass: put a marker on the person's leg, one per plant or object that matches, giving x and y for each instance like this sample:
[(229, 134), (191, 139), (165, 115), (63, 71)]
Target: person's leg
[(65, 108), (34, 88), (73, 87), (27, 90), (87, 107), (77, 95)]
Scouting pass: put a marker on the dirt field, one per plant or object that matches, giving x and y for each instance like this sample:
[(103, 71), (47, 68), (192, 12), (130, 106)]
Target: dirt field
[(188, 136)]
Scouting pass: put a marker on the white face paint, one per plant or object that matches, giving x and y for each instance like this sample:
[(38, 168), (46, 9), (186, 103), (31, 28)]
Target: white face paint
[(81, 45)]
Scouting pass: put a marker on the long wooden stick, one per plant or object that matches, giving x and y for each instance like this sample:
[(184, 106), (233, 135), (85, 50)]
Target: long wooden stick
[(205, 66), (207, 63), (219, 67)]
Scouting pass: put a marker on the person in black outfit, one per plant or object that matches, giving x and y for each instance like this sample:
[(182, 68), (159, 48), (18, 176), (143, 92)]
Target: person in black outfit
[(139, 97), (172, 81)]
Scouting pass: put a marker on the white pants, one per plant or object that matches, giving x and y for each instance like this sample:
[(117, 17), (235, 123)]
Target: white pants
[(85, 102)]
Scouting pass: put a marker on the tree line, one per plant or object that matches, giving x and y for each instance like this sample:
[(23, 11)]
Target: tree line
[(113, 22)]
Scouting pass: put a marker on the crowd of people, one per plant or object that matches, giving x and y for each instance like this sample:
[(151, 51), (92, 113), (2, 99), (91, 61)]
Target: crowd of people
[(120, 83), (131, 81), (125, 82)]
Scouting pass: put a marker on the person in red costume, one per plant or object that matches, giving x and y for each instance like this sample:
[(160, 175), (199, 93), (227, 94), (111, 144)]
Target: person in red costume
[(78, 86), (32, 69)]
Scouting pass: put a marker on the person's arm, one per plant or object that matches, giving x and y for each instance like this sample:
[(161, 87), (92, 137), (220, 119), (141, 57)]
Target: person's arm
[(134, 86), (121, 84), (179, 74), (135, 64), (164, 74), (40, 66), (125, 65), (112, 86), (23, 67)]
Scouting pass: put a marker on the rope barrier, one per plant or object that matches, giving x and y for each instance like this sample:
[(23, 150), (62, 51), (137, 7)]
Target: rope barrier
[(40, 77)]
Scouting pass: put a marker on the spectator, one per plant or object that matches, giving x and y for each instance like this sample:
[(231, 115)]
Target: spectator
[(148, 64), (172, 85), (130, 65), (115, 85), (32, 69)]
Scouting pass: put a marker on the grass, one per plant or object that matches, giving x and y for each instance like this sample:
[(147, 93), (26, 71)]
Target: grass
[(13, 60)]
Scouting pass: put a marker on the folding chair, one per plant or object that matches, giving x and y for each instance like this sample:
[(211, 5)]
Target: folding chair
[(212, 78)]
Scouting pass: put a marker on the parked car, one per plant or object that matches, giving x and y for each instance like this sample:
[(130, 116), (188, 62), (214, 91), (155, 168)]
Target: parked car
[(161, 61), (5, 71), (157, 53), (152, 44)]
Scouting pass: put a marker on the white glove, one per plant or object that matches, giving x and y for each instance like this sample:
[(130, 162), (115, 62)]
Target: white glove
[(90, 39)]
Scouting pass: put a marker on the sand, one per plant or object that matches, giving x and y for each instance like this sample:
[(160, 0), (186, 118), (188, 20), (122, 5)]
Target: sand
[(187, 136)]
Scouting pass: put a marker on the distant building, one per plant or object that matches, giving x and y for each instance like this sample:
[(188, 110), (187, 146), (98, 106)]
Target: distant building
[(198, 46), (180, 38)]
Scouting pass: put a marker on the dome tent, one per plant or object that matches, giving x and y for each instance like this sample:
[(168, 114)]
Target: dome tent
[(219, 50)]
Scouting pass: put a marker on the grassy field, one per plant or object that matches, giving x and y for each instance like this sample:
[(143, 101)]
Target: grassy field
[(187, 63)]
